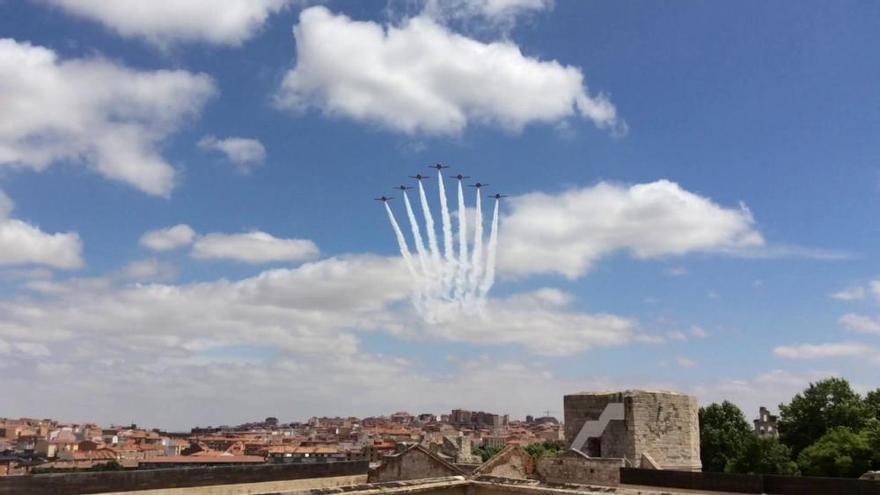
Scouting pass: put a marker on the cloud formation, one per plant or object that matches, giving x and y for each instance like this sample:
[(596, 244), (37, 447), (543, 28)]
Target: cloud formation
[(566, 233), (253, 247), (163, 22), (421, 78), (23, 244), (168, 238), (244, 153), (95, 112), (825, 351), (860, 323)]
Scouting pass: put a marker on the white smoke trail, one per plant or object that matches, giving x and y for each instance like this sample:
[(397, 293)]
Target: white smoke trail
[(461, 274), (401, 241), (449, 267), (489, 278), (429, 226), (417, 235), (477, 255)]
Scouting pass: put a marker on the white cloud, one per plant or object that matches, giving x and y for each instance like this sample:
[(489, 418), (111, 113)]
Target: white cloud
[(93, 111), (168, 238), (566, 233), (860, 323), (161, 22), (421, 78), (540, 321), (850, 294), (187, 342), (149, 269), (22, 243), (253, 247), (699, 332), (244, 153), (824, 351), (502, 13)]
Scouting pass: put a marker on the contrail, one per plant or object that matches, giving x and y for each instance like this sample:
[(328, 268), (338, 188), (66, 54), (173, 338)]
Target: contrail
[(477, 255), (401, 241), (429, 226), (489, 278), (417, 235), (460, 277), (448, 248)]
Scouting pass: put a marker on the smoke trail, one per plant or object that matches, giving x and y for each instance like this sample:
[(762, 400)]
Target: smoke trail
[(417, 235), (429, 226), (401, 241), (489, 278), (477, 255), (462, 245), (448, 269)]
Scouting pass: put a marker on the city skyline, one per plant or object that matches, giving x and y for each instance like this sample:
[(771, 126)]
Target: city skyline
[(188, 233)]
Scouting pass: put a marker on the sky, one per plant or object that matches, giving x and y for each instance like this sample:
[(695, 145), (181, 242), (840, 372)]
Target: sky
[(188, 234)]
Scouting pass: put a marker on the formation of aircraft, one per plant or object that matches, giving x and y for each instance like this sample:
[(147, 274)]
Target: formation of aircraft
[(439, 167)]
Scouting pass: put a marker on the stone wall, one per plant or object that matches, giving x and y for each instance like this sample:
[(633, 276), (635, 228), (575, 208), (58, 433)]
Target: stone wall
[(576, 468), (154, 479), (512, 462), (412, 464), (663, 425)]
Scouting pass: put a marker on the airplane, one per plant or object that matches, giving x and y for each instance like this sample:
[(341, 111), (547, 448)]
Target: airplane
[(497, 196), (438, 166), (477, 185), (384, 199), (460, 177), (402, 187), (419, 177)]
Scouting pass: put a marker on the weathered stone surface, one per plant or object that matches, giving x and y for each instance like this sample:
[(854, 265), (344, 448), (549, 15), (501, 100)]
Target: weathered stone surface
[(413, 463), (663, 425), (575, 467), (512, 462)]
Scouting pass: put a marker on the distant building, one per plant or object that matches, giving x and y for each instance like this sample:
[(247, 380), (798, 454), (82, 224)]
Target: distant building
[(765, 424)]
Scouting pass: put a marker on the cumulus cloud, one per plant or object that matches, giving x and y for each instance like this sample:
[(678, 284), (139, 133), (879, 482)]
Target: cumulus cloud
[(253, 247), (824, 351), (149, 269), (95, 112), (850, 294), (421, 78), (566, 233), (161, 22), (168, 238), (22, 243), (860, 323), (221, 338), (499, 13), (540, 321), (244, 153)]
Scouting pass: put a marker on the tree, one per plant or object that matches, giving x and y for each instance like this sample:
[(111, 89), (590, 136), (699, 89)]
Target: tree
[(763, 455), (841, 452), (824, 405), (872, 401), (723, 434), (486, 452), (546, 449)]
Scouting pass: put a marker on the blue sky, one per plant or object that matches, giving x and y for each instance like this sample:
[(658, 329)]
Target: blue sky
[(693, 195)]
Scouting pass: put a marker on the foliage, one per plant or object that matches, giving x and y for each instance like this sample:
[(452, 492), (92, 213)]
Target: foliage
[(723, 434), (840, 452), (824, 405), (872, 401), (763, 455), (486, 452), (546, 449)]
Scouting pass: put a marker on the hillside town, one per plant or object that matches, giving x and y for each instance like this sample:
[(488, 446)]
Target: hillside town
[(46, 445)]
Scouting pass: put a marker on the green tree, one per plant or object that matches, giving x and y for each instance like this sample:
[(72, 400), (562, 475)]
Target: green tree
[(841, 452), (824, 405), (723, 434), (487, 452), (872, 401), (763, 455), (546, 449)]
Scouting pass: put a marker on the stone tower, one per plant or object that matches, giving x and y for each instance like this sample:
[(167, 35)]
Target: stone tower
[(657, 430)]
